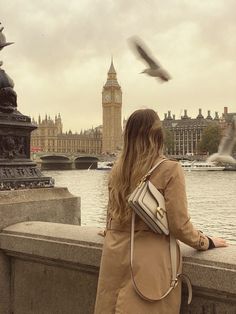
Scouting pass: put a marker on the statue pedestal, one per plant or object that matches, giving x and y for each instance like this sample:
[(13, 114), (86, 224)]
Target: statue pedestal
[(17, 171)]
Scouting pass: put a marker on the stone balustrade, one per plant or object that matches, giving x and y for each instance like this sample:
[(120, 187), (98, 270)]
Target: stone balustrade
[(52, 268)]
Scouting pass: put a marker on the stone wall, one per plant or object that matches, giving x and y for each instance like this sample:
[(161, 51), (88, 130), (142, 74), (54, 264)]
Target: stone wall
[(53, 269), (43, 204), (46, 204)]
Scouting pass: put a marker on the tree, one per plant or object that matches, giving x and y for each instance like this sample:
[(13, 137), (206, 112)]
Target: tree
[(168, 141), (211, 137)]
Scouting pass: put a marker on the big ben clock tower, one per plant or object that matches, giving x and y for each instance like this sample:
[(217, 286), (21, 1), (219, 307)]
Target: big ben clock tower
[(111, 104)]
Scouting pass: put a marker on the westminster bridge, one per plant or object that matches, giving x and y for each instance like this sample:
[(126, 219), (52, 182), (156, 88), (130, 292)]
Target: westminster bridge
[(60, 161), (68, 161)]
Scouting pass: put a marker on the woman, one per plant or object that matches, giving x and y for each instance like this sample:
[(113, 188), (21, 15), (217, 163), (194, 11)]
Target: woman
[(143, 144)]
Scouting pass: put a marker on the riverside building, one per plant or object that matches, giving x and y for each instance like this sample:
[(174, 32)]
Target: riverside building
[(49, 137), (186, 132)]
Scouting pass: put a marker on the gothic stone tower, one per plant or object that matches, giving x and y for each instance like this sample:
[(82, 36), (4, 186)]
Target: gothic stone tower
[(111, 104)]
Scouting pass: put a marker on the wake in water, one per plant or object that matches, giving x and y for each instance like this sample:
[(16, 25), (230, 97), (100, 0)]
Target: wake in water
[(226, 146)]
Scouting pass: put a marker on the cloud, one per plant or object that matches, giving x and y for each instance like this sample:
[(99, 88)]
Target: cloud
[(62, 52)]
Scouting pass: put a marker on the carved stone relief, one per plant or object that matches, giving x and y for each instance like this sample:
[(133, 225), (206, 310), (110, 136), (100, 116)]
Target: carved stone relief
[(13, 147)]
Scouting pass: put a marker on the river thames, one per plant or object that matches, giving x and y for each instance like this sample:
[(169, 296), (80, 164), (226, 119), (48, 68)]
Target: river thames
[(211, 198)]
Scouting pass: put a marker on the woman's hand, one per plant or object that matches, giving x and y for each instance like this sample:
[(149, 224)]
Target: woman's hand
[(102, 233), (219, 242)]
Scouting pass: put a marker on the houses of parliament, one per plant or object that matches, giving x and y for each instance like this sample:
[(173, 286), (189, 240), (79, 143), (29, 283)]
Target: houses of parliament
[(186, 132), (104, 139)]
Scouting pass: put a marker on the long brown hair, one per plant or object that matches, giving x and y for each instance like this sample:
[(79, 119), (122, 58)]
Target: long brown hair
[(143, 144)]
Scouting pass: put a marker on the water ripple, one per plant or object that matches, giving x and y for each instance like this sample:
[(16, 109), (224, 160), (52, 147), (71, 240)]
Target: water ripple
[(211, 198)]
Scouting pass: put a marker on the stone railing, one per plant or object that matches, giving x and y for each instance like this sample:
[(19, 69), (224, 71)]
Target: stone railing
[(52, 268)]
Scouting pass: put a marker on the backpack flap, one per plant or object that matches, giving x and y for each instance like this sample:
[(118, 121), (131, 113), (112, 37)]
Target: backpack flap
[(154, 202)]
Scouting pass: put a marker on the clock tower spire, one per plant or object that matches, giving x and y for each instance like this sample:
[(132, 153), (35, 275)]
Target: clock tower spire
[(112, 105)]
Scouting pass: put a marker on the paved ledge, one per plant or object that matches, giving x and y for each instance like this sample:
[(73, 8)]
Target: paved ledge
[(54, 241), (49, 259), (222, 257), (56, 232), (214, 269), (70, 243), (47, 204), (29, 195)]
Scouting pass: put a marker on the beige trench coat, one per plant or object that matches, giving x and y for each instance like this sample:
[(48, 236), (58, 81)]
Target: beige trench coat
[(152, 268)]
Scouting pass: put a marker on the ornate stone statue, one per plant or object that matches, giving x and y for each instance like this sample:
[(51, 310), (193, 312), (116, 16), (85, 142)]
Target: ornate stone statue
[(8, 97), (17, 171)]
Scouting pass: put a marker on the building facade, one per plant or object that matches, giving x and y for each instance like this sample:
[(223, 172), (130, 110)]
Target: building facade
[(112, 107), (49, 138), (186, 133), (106, 139)]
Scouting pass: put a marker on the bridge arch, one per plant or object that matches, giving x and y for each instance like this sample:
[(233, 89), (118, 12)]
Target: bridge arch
[(56, 162)]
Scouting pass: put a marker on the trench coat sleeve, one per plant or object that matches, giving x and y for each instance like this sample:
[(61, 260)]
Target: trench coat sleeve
[(103, 232), (177, 213)]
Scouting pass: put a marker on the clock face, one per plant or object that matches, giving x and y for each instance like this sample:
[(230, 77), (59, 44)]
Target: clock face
[(117, 98), (107, 97)]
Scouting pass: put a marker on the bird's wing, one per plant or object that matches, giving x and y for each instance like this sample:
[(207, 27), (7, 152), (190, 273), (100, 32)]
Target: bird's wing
[(221, 158), (228, 141), (163, 75), (143, 54)]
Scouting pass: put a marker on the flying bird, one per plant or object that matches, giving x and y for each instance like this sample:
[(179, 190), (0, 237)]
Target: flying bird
[(3, 42), (155, 69), (226, 145)]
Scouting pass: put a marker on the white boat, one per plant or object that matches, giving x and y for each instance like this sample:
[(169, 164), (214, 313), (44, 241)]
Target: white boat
[(200, 166), (104, 166)]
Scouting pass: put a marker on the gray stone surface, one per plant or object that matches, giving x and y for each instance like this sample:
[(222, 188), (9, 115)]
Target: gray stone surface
[(42, 288), (216, 268), (5, 283), (72, 244), (209, 302), (219, 257), (213, 277), (45, 204), (55, 270)]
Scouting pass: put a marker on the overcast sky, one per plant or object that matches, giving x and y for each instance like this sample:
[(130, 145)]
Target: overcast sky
[(62, 53)]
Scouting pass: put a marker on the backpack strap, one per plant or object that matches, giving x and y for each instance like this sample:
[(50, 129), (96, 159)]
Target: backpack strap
[(147, 175), (175, 275)]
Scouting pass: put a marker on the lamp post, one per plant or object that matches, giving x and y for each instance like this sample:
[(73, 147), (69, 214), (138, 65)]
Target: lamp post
[(17, 170)]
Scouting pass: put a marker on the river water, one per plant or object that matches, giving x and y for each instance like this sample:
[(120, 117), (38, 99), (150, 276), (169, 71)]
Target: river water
[(211, 198)]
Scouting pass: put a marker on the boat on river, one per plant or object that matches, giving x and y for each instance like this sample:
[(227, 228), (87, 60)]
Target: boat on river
[(230, 168), (200, 166), (105, 165)]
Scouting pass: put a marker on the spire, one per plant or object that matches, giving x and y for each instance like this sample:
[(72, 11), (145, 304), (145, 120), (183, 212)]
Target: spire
[(112, 69), (200, 116), (216, 116), (111, 76), (209, 115), (185, 116)]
